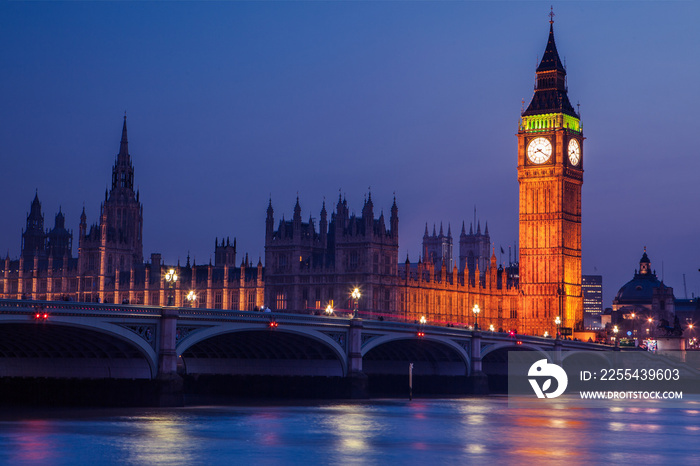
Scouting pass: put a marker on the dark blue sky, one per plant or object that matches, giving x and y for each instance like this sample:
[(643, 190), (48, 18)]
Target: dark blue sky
[(229, 103)]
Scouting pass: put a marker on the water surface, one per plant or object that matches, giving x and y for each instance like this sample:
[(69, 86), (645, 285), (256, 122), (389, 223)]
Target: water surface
[(471, 430)]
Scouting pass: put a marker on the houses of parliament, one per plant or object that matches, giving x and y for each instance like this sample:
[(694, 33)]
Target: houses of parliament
[(309, 267)]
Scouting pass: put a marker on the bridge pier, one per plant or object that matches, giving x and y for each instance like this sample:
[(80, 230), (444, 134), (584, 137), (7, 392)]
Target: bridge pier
[(169, 384), (557, 351), (358, 379), (478, 382)]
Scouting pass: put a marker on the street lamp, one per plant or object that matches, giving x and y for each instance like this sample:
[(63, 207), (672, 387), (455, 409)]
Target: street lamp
[(191, 297), (615, 330), (491, 327), (423, 320), (634, 317), (557, 321), (356, 297), (171, 278), (329, 309), (476, 312)]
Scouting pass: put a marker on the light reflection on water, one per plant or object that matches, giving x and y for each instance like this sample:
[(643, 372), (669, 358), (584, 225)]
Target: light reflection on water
[(472, 430)]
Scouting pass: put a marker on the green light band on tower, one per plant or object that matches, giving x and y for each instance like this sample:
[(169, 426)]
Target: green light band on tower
[(548, 121)]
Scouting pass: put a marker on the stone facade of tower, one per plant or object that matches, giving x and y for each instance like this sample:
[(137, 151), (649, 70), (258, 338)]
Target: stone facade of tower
[(308, 268), (550, 175), (474, 248), (437, 248), (110, 266)]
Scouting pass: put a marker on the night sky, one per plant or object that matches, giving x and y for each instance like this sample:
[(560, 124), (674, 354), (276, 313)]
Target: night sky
[(230, 103)]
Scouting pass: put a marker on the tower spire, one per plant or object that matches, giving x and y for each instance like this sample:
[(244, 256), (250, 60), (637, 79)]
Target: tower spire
[(124, 144)]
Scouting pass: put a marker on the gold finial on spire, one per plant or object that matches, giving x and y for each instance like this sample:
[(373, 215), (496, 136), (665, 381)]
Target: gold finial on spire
[(551, 14)]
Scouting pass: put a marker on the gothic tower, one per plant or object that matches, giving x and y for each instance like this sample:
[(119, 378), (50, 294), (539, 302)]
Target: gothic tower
[(550, 175), (115, 244), (34, 237), (121, 222)]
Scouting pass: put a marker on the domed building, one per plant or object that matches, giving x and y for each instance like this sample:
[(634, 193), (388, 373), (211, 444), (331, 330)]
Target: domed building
[(643, 297)]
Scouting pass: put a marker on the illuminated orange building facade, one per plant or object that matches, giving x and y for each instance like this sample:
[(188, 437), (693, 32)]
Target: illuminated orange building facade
[(550, 175)]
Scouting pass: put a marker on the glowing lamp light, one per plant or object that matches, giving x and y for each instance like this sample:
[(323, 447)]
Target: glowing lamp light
[(546, 334), (423, 320), (491, 327), (329, 310), (690, 326), (171, 276), (615, 329), (557, 320), (356, 294)]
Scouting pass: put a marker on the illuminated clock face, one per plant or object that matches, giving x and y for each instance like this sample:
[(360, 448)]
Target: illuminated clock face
[(539, 150), (574, 152)]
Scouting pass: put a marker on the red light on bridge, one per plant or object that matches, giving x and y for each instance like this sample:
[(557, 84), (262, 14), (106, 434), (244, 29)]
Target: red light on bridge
[(273, 324), (43, 316), (519, 343), (420, 334)]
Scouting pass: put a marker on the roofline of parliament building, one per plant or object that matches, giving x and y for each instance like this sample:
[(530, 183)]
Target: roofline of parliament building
[(309, 266)]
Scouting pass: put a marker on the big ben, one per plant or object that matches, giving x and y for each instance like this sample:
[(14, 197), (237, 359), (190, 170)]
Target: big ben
[(550, 176)]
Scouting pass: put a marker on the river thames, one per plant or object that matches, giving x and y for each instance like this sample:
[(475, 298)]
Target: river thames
[(469, 431)]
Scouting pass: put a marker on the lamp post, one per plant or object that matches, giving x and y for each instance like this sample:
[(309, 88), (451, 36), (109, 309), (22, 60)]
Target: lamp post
[(557, 321), (171, 278), (615, 330), (634, 320), (356, 295), (329, 310), (191, 297), (476, 310), (492, 328), (651, 321)]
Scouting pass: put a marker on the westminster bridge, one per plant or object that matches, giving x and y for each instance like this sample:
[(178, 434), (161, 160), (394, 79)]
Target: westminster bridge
[(67, 340)]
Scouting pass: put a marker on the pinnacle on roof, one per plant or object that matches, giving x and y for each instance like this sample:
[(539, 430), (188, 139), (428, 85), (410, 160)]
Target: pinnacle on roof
[(441, 233), (645, 258), (124, 144), (463, 232), (550, 59), (449, 231), (550, 92), (426, 230)]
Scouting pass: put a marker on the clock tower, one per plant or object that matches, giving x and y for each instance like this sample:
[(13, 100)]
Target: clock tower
[(550, 175)]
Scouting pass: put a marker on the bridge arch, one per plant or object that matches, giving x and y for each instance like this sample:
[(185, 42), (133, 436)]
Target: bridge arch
[(91, 351), (233, 349), (512, 346), (494, 360), (430, 354)]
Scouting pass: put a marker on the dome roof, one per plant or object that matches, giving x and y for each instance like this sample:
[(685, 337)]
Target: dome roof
[(639, 289)]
